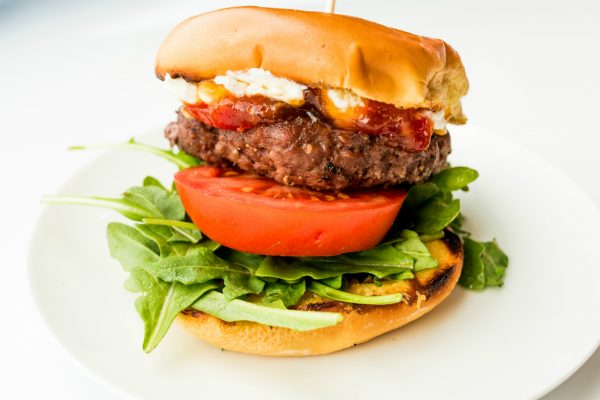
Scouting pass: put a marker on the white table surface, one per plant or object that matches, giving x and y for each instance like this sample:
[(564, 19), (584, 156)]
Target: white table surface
[(82, 72)]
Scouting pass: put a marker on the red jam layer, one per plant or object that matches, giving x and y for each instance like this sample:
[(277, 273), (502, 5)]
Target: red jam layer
[(243, 113)]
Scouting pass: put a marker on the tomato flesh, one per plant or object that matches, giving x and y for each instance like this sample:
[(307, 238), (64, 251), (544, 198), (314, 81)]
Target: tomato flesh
[(257, 215)]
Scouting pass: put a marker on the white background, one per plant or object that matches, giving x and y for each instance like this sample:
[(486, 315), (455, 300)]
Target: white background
[(76, 72)]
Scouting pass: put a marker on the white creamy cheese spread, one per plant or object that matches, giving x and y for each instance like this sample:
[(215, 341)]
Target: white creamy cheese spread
[(256, 81), (182, 89), (438, 118), (344, 99)]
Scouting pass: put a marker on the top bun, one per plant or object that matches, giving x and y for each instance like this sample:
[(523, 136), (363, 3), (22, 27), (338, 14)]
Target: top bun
[(319, 49)]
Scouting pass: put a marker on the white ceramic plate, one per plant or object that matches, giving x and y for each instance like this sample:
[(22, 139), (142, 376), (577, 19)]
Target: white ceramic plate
[(516, 342)]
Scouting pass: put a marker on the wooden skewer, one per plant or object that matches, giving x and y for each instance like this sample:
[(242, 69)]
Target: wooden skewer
[(330, 6)]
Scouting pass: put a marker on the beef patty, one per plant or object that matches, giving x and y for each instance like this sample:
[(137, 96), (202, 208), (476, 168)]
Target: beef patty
[(308, 152)]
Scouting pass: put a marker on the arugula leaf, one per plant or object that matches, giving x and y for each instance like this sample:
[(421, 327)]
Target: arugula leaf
[(419, 194), (276, 304), (336, 282), (415, 248), (428, 237), (402, 276), (455, 178), (240, 284), (402, 253), (292, 269), (203, 265), (457, 226), (180, 230), (378, 257), (334, 294), (185, 235), (496, 262), (215, 304), (130, 247), (124, 207), (152, 181), (181, 159), (484, 265), (161, 302), (159, 235), (429, 207), (138, 203), (435, 215), (288, 293), (157, 201), (246, 260)]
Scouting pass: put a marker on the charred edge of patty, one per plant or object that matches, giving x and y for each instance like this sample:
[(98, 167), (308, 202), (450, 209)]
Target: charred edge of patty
[(309, 152)]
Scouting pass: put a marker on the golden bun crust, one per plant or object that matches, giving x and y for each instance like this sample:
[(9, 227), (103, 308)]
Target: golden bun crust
[(319, 49), (361, 323)]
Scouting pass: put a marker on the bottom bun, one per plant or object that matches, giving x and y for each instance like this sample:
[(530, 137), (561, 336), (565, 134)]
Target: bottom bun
[(360, 324)]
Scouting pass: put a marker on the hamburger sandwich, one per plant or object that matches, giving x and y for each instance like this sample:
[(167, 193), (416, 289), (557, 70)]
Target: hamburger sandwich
[(313, 209)]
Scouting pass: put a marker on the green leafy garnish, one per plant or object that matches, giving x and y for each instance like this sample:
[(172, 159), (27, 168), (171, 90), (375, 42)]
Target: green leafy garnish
[(181, 159), (380, 257), (215, 304), (428, 237), (288, 293), (137, 203), (435, 215), (337, 282), (484, 263), (412, 246), (122, 206), (484, 266), (334, 294), (175, 267), (292, 269), (430, 208), (203, 265), (130, 246), (456, 178), (166, 254), (161, 302), (173, 231), (403, 275)]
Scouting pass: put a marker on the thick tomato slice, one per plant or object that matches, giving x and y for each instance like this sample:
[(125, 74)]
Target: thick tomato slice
[(257, 215)]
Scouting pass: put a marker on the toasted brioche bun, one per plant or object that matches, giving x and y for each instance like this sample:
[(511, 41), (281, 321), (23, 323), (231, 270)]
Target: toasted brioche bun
[(319, 49), (360, 323)]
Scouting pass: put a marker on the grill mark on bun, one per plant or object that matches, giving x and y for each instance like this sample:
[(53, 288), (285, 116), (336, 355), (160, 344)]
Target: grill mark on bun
[(437, 282), (454, 244)]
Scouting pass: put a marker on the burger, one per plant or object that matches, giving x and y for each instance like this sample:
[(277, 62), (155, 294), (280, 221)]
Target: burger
[(314, 205), (324, 110)]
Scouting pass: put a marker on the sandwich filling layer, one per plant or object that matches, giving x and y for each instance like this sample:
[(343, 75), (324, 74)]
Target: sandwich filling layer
[(309, 152), (242, 100)]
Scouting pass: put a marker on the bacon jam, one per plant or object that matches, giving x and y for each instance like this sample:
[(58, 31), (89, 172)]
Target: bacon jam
[(412, 126)]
